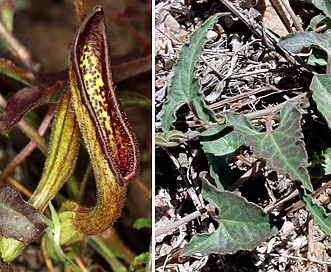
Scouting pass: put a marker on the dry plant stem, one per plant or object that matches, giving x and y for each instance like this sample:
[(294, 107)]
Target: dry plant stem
[(255, 168), (258, 30), (27, 150), (282, 15), (29, 131), (194, 194), (277, 4), (232, 99), (261, 71), (180, 222), (47, 259), (296, 22), (198, 203), (266, 112), (300, 204), (310, 239), (298, 258), (281, 201), (174, 41), (16, 48), (80, 263), (18, 186)]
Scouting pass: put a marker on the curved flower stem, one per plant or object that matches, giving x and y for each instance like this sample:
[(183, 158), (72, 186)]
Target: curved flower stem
[(108, 138), (62, 154), (76, 219), (59, 163)]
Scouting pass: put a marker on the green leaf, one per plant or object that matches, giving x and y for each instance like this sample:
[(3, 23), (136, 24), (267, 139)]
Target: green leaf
[(19, 220), (318, 57), (295, 42), (142, 223), (323, 5), (53, 241), (320, 86), (321, 218), (327, 161), (315, 22), (184, 86), (108, 253), (316, 169), (218, 143), (170, 138), (318, 144), (140, 259), (242, 225), (282, 148)]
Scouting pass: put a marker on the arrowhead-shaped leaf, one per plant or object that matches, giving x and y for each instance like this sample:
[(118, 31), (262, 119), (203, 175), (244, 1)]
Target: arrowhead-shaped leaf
[(282, 148), (295, 42), (184, 86), (324, 5), (327, 161), (242, 225), (321, 218), (18, 219), (320, 86), (218, 143)]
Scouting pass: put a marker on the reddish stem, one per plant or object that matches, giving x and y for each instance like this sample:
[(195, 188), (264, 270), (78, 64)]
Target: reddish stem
[(27, 150)]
